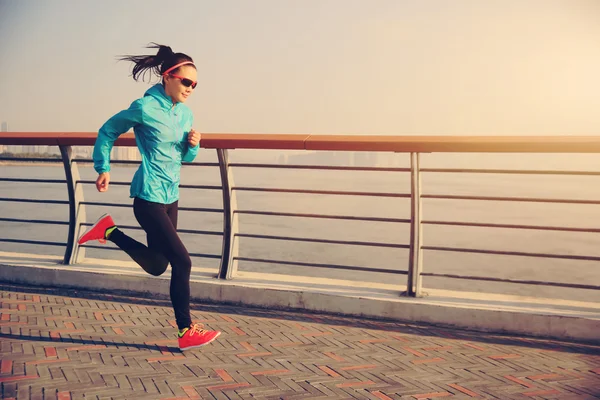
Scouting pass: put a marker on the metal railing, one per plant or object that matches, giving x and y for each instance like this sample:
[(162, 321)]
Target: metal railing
[(82, 203), (231, 234)]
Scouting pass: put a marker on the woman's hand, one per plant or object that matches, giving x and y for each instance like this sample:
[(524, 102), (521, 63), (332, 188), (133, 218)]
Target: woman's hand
[(193, 138), (102, 182)]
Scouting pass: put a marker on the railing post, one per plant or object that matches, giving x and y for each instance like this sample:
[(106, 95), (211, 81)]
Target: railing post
[(230, 248), (415, 257), (73, 253)]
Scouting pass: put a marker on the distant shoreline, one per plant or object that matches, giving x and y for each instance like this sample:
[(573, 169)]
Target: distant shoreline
[(53, 163), (57, 163)]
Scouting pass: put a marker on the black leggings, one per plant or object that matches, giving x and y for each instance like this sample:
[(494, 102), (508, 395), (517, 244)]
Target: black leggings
[(164, 247)]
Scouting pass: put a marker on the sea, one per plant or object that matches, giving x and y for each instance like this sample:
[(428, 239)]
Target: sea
[(547, 186)]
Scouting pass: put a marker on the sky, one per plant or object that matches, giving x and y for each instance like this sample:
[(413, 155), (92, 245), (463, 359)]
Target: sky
[(388, 67)]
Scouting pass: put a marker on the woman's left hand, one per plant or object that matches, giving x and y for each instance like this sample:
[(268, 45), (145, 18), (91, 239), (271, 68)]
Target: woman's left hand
[(193, 138)]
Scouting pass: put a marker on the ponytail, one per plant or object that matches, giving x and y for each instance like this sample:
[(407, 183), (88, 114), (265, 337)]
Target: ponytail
[(157, 64)]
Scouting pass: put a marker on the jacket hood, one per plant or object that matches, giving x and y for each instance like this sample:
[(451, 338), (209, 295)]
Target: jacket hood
[(158, 92)]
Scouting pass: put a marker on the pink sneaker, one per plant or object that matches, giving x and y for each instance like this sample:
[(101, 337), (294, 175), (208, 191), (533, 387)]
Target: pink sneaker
[(98, 230), (196, 337)]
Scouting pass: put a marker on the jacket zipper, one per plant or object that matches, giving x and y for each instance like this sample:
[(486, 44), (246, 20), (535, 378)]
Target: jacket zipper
[(174, 153)]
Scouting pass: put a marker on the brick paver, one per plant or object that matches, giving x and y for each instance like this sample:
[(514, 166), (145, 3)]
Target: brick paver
[(64, 344)]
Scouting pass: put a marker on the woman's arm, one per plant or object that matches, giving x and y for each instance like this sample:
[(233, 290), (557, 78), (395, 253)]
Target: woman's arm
[(193, 145), (111, 130)]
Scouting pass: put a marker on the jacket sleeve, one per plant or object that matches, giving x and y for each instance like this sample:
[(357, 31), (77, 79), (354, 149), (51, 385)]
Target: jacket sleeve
[(189, 153), (111, 130)]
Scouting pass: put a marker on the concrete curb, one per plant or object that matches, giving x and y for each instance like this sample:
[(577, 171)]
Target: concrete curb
[(480, 317)]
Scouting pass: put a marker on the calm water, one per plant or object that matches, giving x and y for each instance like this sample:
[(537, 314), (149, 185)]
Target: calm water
[(393, 259)]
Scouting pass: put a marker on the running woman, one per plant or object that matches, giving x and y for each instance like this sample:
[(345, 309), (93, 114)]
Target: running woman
[(164, 136)]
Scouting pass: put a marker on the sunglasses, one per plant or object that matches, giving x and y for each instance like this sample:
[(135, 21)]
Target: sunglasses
[(185, 81)]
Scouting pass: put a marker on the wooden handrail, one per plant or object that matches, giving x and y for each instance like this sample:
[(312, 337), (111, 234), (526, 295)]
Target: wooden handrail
[(399, 144)]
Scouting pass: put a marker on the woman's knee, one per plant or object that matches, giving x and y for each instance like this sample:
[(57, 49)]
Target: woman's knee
[(186, 263), (159, 270), (158, 267), (182, 265)]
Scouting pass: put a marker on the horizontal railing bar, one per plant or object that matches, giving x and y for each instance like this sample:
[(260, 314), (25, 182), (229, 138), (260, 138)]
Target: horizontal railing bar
[(328, 241), (343, 168), (203, 187), (89, 160), (93, 246), (327, 192), (191, 231), (197, 209), (515, 199), (509, 171), (31, 159), (135, 162), (18, 200), (511, 253), (207, 187), (326, 266), (201, 164), (96, 203), (518, 281), (32, 180), (115, 183), (199, 255), (197, 232), (319, 167), (202, 255), (322, 216), (512, 226), (36, 242), (34, 221), (381, 143), (406, 144), (99, 203)]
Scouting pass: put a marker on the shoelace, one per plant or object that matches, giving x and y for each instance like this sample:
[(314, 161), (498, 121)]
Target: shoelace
[(197, 328)]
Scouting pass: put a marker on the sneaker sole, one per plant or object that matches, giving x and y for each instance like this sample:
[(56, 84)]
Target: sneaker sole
[(200, 345)]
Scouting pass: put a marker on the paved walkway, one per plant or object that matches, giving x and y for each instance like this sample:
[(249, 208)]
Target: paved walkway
[(66, 344)]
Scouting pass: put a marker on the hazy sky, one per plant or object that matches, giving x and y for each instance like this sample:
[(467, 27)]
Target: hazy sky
[(313, 66)]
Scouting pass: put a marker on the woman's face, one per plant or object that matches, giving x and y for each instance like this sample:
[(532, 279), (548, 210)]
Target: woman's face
[(180, 83)]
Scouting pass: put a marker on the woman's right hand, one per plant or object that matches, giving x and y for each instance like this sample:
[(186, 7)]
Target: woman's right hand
[(102, 182)]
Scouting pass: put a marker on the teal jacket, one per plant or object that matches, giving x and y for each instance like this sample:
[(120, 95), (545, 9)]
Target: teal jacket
[(161, 131)]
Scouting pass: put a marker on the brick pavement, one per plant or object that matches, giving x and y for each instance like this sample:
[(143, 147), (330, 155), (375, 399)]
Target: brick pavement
[(64, 344)]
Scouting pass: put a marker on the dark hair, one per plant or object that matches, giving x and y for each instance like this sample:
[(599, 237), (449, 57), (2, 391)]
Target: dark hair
[(157, 64)]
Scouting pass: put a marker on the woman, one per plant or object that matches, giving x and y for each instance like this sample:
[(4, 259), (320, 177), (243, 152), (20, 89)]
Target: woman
[(163, 132)]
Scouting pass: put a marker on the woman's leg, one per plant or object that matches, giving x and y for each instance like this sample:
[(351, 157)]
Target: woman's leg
[(160, 221), (164, 247), (150, 258), (164, 234)]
